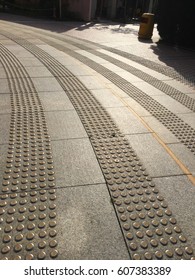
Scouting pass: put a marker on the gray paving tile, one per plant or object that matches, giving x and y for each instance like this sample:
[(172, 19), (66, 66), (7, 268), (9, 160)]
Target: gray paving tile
[(88, 227), (114, 88), (171, 104), (5, 42), (108, 84), (191, 95), (55, 52), (165, 134), (19, 51), (30, 61), (185, 156), (54, 101), (5, 105), (155, 74), (67, 60), (3, 155), (129, 77), (107, 98), (79, 70), (180, 196), (180, 86), (135, 106), (2, 73), (75, 163), (92, 56), (113, 67), (4, 128), (4, 87), (2, 38), (91, 82), (153, 156), (36, 41), (188, 118), (46, 84), (126, 121), (150, 72), (38, 71), (135, 64), (147, 88), (64, 125), (1, 180)]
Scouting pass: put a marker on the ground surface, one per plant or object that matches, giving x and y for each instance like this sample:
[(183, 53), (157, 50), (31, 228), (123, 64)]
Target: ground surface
[(97, 142)]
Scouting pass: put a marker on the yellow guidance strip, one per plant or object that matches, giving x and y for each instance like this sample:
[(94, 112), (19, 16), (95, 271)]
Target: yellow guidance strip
[(157, 137)]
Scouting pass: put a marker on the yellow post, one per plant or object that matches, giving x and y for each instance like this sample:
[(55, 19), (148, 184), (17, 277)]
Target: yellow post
[(146, 26)]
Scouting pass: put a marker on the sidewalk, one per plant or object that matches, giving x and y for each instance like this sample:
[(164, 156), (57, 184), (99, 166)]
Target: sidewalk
[(97, 143)]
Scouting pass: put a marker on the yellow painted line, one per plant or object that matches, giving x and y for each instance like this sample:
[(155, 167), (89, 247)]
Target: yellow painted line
[(170, 152), (157, 137), (186, 171)]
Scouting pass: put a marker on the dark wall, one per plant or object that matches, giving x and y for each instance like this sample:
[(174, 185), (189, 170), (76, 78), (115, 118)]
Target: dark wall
[(30, 7), (176, 21)]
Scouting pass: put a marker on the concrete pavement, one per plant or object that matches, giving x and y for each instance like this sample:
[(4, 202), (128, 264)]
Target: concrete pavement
[(97, 143)]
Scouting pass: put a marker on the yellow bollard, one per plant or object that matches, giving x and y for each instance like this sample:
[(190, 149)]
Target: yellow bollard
[(146, 26)]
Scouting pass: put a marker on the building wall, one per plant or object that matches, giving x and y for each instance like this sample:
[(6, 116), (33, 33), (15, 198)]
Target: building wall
[(33, 5), (93, 8), (86, 9), (25, 3), (103, 8), (78, 9), (112, 11)]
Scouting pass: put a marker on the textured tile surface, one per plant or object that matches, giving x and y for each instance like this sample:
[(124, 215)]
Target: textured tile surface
[(88, 230), (75, 163)]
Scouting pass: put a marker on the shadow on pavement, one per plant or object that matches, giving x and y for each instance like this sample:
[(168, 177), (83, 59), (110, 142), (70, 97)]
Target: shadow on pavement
[(181, 60), (63, 26)]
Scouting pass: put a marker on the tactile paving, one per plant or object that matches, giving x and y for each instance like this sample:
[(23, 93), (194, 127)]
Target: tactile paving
[(27, 206), (169, 119), (28, 225), (166, 70), (149, 227), (187, 78), (162, 86), (166, 117)]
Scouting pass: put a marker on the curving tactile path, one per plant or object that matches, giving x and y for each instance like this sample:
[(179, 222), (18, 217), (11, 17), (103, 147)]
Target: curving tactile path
[(92, 166)]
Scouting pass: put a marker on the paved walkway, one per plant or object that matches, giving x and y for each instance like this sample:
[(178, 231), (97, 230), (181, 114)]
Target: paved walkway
[(97, 143)]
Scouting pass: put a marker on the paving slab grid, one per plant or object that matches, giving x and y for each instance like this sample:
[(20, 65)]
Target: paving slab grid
[(97, 143)]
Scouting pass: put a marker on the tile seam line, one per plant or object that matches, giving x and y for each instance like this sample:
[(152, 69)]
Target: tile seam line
[(107, 48), (161, 142), (34, 28), (51, 111), (111, 200), (158, 138), (117, 219), (149, 81), (24, 39), (168, 150), (179, 163), (169, 176), (151, 97), (102, 46), (12, 252), (55, 188), (127, 82)]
